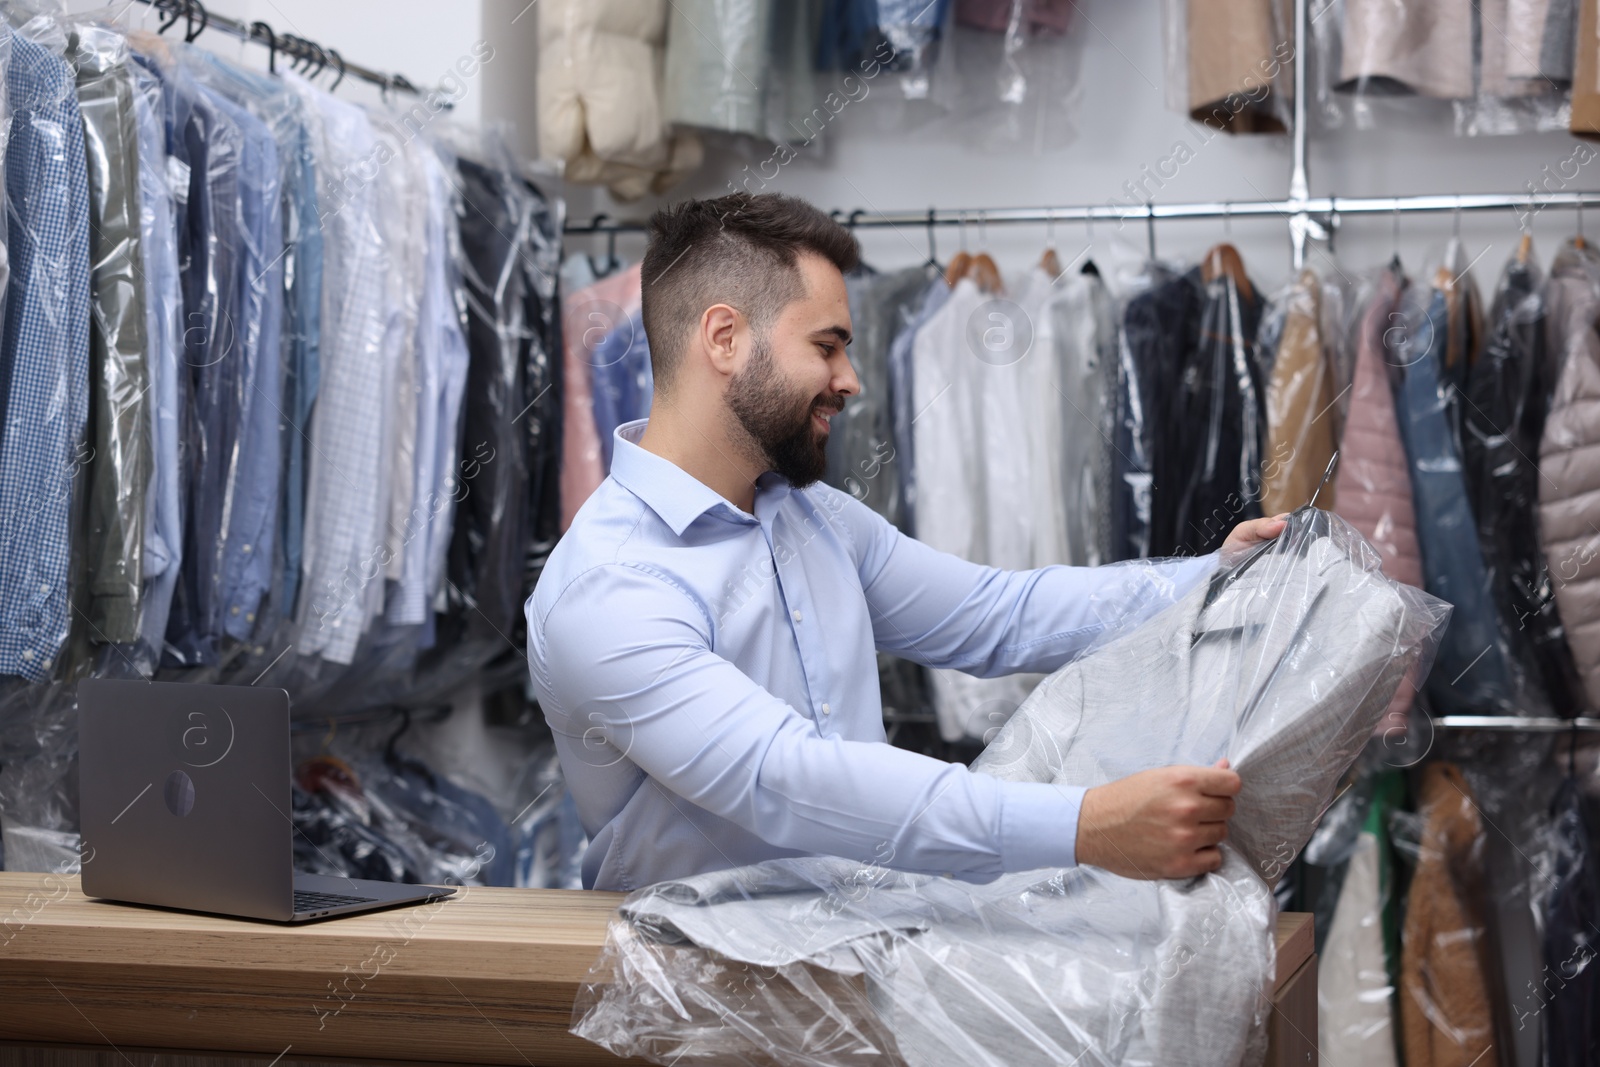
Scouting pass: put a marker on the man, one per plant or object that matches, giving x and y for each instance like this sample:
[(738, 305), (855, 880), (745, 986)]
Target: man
[(702, 640)]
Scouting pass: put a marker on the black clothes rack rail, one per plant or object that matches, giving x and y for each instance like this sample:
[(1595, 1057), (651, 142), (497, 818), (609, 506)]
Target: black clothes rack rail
[(1309, 218), (299, 50)]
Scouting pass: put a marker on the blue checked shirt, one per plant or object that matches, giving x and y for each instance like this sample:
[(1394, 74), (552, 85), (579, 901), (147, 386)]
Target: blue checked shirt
[(346, 527), (44, 357), (711, 680)]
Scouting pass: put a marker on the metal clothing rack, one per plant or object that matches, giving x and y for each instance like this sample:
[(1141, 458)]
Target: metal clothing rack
[(1309, 218), (299, 50)]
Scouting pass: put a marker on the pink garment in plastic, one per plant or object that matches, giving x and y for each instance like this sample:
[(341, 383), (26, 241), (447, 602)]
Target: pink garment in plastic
[(1373, 486), (586, 317)]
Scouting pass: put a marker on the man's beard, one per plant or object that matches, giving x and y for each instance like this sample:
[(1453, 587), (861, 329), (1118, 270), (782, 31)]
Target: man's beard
[(778, 421)]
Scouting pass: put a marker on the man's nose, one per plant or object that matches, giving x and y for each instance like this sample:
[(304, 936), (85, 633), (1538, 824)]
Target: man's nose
[(845, 381)]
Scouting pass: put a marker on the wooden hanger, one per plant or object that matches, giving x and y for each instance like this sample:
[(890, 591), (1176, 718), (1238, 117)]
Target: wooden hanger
[(1224, 259), (986, 274), (960, 266), (1050, 263)]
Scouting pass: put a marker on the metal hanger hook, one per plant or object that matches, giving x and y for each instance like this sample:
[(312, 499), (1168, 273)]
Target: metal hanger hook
[(1150, 227), (933, 252), (190, 8), (1457, 222), (1397, 230), (983, 230), (1227, 219)]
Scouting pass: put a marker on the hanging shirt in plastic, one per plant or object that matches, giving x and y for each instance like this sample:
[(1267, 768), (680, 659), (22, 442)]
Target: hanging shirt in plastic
[(1507, 393), (345, 517), (248, 553), (861, 456), (119, 374), (302, 325), (589, 318), (989, 445), (402, 220), (1569, 477), (1084, 332), (1446, 1014), (902, 392), (158, 249), (44, 355), (1302, 413), (282, 289), (491, 529), (1472, 671), (1054, 966), (206, 148), (1570, 905), (441, 369), (716, 64), (623, 381), (581, 468), (543, 394)]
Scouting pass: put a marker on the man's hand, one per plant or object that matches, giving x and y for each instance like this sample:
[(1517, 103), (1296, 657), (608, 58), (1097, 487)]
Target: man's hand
[(1251, 533), (1160, 823)]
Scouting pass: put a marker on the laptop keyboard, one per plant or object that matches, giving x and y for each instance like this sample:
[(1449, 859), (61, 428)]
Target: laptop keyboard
[(304, 900)]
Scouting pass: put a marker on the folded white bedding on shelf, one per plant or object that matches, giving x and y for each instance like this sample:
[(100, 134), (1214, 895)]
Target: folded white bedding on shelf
[(1284, 661)]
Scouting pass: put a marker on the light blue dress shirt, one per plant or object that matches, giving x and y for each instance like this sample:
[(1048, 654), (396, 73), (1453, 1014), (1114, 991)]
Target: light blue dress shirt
[(710, 678)]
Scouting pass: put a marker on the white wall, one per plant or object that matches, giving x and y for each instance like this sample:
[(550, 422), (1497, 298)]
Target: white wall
[(1122, 123)]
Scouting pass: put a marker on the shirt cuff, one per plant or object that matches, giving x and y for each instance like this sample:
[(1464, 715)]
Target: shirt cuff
[(1039, 825)]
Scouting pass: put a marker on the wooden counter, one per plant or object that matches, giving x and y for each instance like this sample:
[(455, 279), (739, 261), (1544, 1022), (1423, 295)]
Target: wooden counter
[(487, 977)]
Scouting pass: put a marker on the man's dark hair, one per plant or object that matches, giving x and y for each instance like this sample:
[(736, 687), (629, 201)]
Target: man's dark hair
[(742, 250)]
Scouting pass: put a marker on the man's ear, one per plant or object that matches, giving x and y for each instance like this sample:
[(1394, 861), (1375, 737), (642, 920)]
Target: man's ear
[(720, 327)]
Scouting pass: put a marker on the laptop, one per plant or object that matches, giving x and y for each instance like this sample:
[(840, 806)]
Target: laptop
[(184, 802)]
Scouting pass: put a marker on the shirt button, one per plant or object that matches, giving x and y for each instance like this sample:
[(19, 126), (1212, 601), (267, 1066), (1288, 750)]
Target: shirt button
[(27, 653), (234, 610), (797, 615), (45, 589), (826, 710), (246, 548)]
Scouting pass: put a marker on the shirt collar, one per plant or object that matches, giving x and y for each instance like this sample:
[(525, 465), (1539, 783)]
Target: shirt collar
[(670, 491)]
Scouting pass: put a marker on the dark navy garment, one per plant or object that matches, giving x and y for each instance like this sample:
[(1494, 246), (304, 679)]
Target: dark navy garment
[(1188, 417), (1572, 934), (1507, 395), (1471, 671), (44, 356), (206, 147)]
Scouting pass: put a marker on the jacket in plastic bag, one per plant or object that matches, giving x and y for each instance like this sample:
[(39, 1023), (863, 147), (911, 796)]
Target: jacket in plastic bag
[(1192, 344), (1502, 422), (1570, 907), (119, 375), (1445, 979), (1569, 506), (1283, 662), (1301, 401), (1473, 670)]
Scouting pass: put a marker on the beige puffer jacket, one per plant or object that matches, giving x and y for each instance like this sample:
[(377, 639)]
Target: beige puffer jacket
[(1569, 456), (600, 70)]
